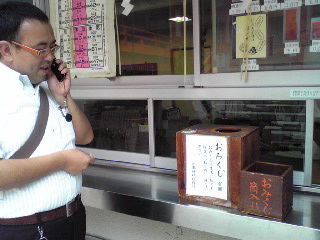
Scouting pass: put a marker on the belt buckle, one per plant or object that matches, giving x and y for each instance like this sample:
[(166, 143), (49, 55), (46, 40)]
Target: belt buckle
[(68, 208)]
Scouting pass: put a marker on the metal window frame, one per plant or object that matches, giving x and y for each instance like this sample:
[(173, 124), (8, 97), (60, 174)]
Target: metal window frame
[(43, 5), (153, 94)]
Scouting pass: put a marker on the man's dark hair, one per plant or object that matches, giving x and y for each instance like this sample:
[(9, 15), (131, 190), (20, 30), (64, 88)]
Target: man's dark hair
[(13, 14)]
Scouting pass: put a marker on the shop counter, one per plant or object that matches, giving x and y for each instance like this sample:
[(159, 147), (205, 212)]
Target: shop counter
[(154, 196)]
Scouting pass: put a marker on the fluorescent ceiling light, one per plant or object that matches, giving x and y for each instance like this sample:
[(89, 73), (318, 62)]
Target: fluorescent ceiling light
[(180, 19)]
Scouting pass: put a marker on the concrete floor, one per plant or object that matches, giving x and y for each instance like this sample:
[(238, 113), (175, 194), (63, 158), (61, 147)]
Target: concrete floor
[(108, 225)]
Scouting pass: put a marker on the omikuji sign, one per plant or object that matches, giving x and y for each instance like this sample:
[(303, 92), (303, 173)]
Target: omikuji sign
[(210, 159), (207, 166), (266, 189)]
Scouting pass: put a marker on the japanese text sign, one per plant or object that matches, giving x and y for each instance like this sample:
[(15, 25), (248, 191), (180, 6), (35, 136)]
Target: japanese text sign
[(207, 166)]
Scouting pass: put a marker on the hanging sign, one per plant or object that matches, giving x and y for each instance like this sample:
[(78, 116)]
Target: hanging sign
[(250, 65), (251, 36), (291, 31), (271, 5), (255, 6), (315, 47), (291, 48), (315, 35), (236, 9), (245, 7), (291, 4), (85, 31), (312, 2)]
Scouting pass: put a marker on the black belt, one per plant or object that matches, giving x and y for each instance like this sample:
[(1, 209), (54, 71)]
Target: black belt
[(64, 211)]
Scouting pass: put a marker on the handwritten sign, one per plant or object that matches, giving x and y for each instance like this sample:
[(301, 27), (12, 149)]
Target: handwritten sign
[(251, 36), (207, 166), (312, 2), (255, 6), (271, 5), (236, 8), (315, 47), (241, 8), (84, 29), (260, 195), (250, 65), (291, 4), (266, 189), (292, 48)]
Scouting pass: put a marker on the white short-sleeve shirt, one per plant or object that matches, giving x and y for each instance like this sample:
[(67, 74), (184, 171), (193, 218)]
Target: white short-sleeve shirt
[(19, 106)]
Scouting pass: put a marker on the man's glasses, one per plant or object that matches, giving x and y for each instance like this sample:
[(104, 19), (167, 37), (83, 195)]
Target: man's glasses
[(41, 53)]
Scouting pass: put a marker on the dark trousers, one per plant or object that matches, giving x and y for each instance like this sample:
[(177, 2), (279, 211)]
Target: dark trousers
[(71, 228)]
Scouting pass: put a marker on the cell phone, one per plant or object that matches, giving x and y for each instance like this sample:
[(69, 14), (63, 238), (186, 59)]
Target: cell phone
[(54, 69)]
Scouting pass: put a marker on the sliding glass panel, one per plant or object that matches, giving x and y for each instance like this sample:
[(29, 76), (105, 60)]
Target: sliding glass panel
[(281, 37), (152, 37), (316, 144), (281, 124), (119, 125)]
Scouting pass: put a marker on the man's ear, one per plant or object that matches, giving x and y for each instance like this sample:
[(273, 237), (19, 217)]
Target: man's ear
[(5, 49)]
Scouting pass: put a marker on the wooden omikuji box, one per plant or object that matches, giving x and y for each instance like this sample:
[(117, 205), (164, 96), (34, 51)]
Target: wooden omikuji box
[(210, 159), (266, 190)]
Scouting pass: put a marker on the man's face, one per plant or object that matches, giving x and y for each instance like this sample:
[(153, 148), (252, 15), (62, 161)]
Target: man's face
[(37, 35)]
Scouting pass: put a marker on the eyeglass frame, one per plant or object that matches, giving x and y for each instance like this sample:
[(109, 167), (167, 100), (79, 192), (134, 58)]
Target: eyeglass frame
[(42, 52)]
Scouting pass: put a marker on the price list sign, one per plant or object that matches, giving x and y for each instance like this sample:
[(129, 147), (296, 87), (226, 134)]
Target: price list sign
[(207, 166), (84, 31)]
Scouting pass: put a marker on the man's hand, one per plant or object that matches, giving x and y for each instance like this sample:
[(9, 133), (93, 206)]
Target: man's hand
[(76, 161), (60, 89), (18, 172)]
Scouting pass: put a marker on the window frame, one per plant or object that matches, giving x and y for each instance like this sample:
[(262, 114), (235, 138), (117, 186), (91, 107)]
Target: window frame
[(223, 86), (153, 94)]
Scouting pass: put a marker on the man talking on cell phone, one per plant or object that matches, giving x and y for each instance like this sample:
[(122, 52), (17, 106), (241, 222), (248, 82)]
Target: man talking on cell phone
[(39, 188)]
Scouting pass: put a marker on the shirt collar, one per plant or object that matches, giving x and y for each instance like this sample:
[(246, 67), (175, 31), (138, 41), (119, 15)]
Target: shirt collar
[(24, 79)]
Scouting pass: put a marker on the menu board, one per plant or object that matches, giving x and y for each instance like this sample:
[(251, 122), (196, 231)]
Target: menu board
[(85, 31)]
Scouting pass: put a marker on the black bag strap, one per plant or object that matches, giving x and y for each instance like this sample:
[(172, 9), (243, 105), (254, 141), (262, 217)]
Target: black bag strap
[(36, 136)]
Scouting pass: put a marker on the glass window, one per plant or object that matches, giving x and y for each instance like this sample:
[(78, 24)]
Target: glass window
[(150, 43), (316, 144), (281, 124), (283, 39), (118, 125)]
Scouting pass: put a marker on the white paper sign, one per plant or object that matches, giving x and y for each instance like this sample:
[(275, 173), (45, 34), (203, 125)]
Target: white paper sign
[(243, 7), (292, 48), (271, 5), (315, 47), (255, 6), (291, 4), (252, 65), (312, 2), (85, 31), (127, 7), (305, 93), (237, 8), (207, 166)]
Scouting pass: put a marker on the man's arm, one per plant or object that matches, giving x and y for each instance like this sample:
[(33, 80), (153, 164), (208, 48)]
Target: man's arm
[(18, 172), (61, 93), (81, 124)]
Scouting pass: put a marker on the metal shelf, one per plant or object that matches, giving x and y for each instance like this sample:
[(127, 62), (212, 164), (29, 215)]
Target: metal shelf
[(154, 196)]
